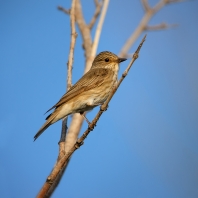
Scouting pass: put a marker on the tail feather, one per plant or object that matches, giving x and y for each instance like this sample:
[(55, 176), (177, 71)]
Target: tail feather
[(49, 121)]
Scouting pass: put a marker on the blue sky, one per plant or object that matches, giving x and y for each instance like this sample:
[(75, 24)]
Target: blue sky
[(145, 145)]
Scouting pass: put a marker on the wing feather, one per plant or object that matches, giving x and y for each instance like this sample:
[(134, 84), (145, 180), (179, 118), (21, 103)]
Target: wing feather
[(92, 79)]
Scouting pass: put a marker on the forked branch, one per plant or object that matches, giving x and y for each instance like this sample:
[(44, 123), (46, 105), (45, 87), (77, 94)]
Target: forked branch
[(143, 25), (145, 5)]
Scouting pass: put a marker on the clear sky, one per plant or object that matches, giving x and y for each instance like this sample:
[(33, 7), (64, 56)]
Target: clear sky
[(144, 146)]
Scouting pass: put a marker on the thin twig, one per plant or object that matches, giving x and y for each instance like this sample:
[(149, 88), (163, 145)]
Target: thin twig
[(64, 10), (47, 192), (175, 1), (89, 47), (63, 161), (97, 33), (72, 46), (161, 26), (69, 69), (84, 30), (96, 14), (69, 72)]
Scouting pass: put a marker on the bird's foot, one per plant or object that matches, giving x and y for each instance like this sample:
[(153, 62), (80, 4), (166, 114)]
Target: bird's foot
[(91, 126), (103, 108)]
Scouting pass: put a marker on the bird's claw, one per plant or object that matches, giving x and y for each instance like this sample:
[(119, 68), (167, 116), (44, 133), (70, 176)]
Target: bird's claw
[(102, 108), (91, 126)]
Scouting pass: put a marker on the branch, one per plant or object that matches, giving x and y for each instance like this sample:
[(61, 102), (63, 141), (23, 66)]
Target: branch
[(145, 5), (96, 14), (43, 191), (84, 30), (174, 1), (97, 33), (61, 154), (64, 10), (90, 53), (63, 161), (72, 46), (69, 72), (161, 26), (62, 139), (77, 119), (149, 12)]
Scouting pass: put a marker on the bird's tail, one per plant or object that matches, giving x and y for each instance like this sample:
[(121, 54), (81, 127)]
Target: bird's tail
[(49, 121)]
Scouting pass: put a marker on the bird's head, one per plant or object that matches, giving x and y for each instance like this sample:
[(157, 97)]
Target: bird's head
[(107, 60)]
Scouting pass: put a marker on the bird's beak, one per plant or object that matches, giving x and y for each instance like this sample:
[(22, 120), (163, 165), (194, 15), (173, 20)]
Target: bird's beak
[(121, 60)]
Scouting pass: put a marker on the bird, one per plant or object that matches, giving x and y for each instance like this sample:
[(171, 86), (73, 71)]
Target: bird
[(91, 90)]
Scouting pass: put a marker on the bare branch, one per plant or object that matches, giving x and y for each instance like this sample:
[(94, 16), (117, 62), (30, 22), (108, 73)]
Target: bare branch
[(47, 192), (84, 30), (62, 139), (64, 10), (145, 5), (174, 1), (97, 34), (61, 154), (77, 119), (161, 26), (69, 72), (63, 161), (73, 131), (72, 45), (149, 12), (96, 14), (90, 53), (129, 56)]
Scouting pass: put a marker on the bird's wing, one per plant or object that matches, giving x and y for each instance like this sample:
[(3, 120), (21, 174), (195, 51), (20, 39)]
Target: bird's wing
[(93, 78)]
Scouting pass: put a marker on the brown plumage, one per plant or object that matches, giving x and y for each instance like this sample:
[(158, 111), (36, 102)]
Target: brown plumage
[(90, 91)]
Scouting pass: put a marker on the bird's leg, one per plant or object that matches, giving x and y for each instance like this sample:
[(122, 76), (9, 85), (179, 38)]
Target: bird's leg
[(83, 115)]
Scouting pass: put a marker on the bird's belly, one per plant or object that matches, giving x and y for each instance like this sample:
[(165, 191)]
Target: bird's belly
[(88, 100), (91, 99), (85, 103)]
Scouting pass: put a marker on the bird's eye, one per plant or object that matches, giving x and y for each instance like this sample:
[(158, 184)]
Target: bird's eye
[(106, 60)]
